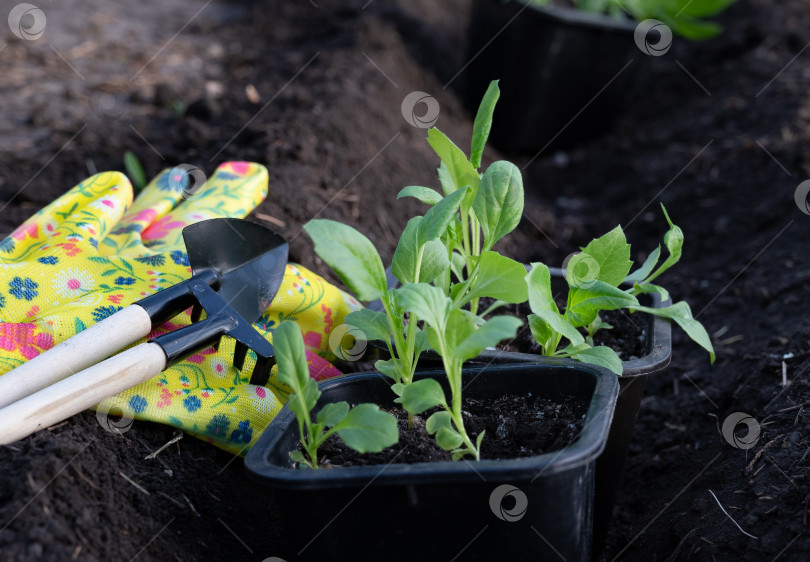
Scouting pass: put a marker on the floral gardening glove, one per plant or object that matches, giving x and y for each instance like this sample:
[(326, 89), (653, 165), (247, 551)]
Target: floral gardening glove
[(89, 254)]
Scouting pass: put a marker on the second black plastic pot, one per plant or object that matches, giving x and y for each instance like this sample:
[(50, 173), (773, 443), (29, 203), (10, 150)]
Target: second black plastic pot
[(632, 382), (532, 508), (564, 73)]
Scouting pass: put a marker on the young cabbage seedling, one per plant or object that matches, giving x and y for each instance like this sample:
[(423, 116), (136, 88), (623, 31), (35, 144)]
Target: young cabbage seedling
[(594, 276), (490, 207), (364, 428), (419, 257), (460, 227), (457, 336)]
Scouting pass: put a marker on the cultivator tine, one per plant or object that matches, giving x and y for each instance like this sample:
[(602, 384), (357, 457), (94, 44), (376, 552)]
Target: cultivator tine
[(196, 312), (239, 354), (261, 372)]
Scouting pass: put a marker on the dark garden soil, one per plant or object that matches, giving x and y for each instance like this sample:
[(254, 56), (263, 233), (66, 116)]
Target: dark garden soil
[(718, 131), (627, 335), (516, 426)]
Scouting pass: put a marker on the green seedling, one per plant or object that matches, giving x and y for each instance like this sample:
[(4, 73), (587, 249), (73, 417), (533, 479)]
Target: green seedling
[(489, 208), (594, 277), (134, 170), (457, 335), (687, 18), (357, 262), (455, 236), (364, 427)]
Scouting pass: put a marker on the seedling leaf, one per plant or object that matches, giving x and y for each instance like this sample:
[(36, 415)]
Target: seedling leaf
[(600, 355), (388, 368), (586, 302), (479, 439), (642, 272), (353, 257), (439, 216), (611, 252), (424, 194), (673, 240), (539, 289), (331, 414), (428, 302), (293, 372), (298, 456), (422, 395), (458, 264), (406, 257), (458, 170), (555, 322), (702, 9), (647, 288), (134, 170), (483, 123), (448, 438), (437, 421), (497, 329), (498, 205), (421, 341), (447, 181), (368, 430), (372, 323), (682, 315), (499, 278), (291, 356)]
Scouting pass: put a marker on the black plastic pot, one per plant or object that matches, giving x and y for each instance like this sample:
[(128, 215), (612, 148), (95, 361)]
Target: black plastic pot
[(610, 466), (445, 510), (564, 73)]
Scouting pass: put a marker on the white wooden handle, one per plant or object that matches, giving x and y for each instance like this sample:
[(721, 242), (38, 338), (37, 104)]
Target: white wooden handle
[(86, 348), (80, 391)]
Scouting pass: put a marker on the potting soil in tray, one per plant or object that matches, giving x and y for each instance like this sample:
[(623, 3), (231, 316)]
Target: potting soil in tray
[(627, 337), (516, 426)]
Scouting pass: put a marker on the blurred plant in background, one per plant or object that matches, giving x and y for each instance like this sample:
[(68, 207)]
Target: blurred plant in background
[(686, 18)]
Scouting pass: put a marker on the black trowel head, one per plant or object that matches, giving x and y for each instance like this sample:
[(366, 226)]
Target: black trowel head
[(248, 259)]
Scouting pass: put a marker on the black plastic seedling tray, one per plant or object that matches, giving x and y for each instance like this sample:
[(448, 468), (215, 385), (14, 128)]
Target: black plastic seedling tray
[(437, 511)]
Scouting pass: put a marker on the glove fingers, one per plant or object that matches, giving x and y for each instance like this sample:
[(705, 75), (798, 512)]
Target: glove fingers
[(78, 219), (152, 204), (234, 190)]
